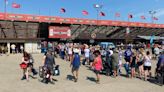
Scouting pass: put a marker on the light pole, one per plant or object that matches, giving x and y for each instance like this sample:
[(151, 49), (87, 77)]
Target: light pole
[(5, 15), (97, 7), (152, 15)]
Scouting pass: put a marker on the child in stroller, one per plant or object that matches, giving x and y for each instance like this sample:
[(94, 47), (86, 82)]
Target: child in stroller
[(45, 73), (106, 61)]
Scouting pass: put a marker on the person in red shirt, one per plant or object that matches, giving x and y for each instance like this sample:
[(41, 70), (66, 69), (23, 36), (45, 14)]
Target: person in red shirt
[(97, 65)]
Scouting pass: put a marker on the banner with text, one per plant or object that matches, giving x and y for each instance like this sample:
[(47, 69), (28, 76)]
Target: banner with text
[(59, 32)]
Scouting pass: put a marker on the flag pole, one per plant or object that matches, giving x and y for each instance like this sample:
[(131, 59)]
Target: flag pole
[(127, 35), (12, 10), (128, 19), (39, 11), (97, 10), (5, 10), (152, 15), (115, 17)]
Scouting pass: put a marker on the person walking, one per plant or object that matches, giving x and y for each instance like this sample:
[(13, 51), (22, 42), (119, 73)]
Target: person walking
[(133, 62), (21, 48), (70, 53), (86, 53), (49, 63), (13, 47), (26, 63), (75, 64), (114, 62), (147, 65), (140, 62), (127, 55), (160, 68), (97, 65), (156, 51), (120, 55)]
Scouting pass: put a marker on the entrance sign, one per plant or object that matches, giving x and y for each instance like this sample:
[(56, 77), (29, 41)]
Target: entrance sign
[(59, 32)]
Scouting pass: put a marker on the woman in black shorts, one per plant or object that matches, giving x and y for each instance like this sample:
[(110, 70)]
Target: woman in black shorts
[(140, 62), (133, 64), (147, 64)]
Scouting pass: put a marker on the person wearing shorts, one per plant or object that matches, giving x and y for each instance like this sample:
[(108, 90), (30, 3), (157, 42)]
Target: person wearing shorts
[(127, 55), (148, 68), (114, 62), (97, 65), (140, 62), (75, 63), (133, 64), (147, 65)]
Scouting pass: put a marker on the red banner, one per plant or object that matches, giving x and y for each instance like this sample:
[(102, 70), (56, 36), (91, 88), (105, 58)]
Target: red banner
[(59, 32), (49, 19)]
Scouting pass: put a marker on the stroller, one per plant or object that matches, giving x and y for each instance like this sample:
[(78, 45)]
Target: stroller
[(106, 66), (159, 75), (45, 73)]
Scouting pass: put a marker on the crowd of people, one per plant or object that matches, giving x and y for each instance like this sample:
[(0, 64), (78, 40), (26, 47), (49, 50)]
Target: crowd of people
[(138, 61), (15, 48), (3, 49)]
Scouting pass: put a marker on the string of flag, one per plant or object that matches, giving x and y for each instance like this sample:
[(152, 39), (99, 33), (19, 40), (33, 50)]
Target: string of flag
[(117, 14), (85, 12)]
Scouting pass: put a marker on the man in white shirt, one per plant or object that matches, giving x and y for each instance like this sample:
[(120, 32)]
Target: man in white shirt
[(13, 48), (86, 53), (21, 48), (156, 51)]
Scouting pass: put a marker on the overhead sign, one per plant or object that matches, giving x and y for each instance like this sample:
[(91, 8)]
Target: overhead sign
[(59, 32)]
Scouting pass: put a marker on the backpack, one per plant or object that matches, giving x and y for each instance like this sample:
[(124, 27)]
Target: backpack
[(56, 71)]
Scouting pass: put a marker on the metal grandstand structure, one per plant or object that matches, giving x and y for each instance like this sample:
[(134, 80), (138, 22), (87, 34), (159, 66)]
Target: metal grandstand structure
[(32, 27)]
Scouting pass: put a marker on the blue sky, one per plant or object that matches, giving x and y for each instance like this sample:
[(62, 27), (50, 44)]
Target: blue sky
[(74, 8)]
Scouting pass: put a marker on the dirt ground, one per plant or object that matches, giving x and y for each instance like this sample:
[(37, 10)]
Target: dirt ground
[(10, 75)]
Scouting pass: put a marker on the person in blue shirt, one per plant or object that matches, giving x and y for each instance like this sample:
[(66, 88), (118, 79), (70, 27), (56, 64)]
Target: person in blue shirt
[(75, 64), (127, 55), (160, 62), (160, 68)]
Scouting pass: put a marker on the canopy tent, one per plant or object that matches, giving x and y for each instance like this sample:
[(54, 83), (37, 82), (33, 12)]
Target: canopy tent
[(149, 37)]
